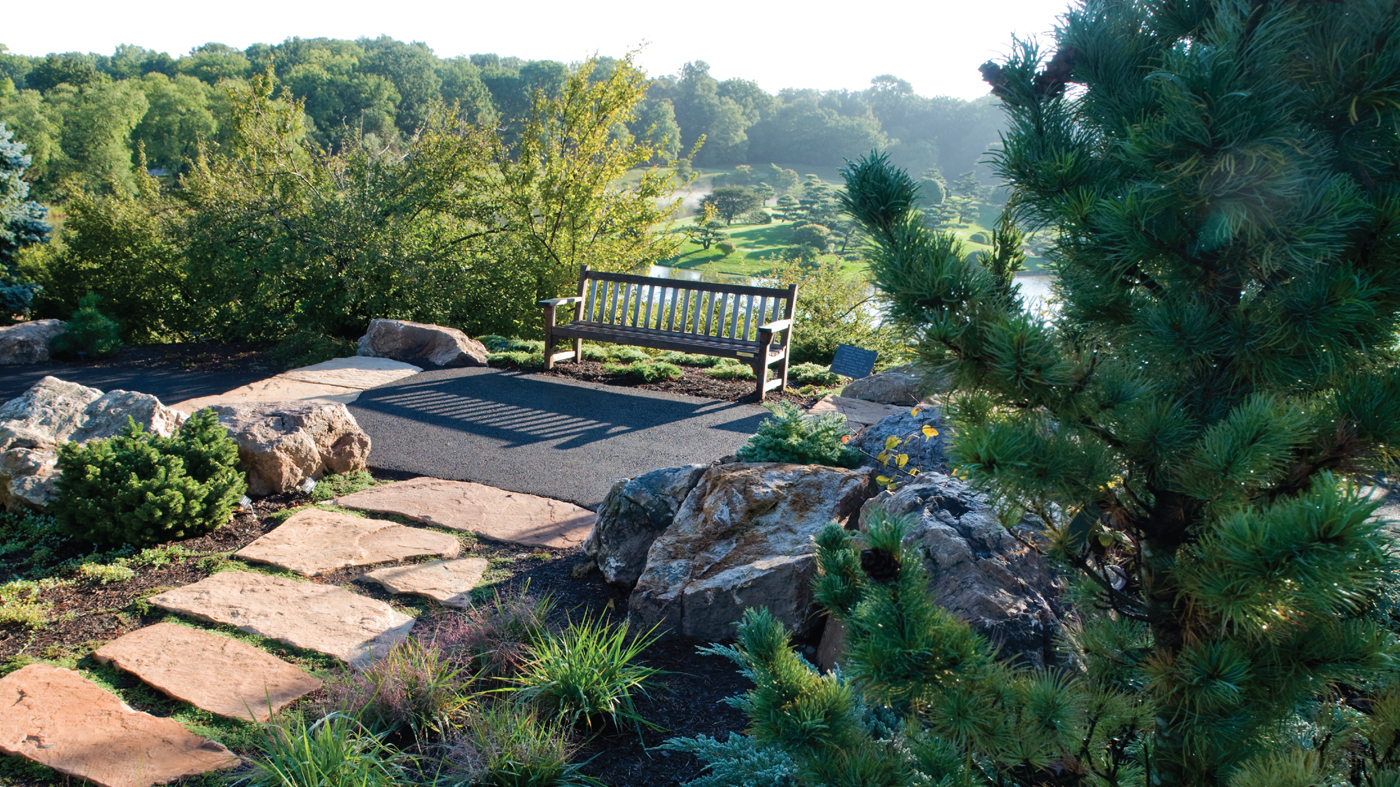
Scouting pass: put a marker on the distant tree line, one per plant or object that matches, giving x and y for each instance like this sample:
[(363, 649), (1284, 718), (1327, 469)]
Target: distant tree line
[(84, 116)]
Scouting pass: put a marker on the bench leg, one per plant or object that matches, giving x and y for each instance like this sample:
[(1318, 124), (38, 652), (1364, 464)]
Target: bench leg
[(549, 337), (760, 372), (578, 350), (783, 370)]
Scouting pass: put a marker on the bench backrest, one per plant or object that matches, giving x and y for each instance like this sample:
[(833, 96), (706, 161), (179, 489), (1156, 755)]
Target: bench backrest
[(732, 311)]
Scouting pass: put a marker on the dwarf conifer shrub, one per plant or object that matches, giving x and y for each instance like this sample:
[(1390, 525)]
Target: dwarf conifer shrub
[(729, 369), (141, 489), (812, 374), (650, 372), (88, 331), (791, 435)]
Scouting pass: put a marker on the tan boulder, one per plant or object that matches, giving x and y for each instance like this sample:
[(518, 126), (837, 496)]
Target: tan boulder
[(218, 674), (58, 718), (857, 412), (283, 444), (313, 542), (475, 508), (421, 344), (28, 342), (448, 582), (743, 538), (322, 618), (53, 412)]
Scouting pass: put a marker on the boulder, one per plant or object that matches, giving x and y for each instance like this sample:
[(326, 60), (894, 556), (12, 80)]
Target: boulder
[(977, 569), (422, 345), (743, 537), (633, 514), (52, 412), (285, 443), (893, 387), (28, 342), (926, 454)]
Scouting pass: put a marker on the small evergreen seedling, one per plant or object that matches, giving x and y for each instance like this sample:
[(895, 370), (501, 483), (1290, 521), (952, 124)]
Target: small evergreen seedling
[(89, 331), (790, 435)]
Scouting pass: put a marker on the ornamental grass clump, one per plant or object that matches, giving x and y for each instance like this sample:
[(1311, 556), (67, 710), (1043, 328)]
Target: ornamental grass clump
[(791, 435), (413, 687), (504, 744), (336, 751), (140, 489), (587, 674), (492, 640)]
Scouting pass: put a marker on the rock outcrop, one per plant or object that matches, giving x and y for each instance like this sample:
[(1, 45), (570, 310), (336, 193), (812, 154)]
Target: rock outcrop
[(28, 342), (925, 453), (743, 538), (633, 514), (421, 345), (52, 412), (978, 570), (285, 443)]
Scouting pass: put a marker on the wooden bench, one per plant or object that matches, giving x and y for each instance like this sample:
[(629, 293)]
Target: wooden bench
[(751, 324)]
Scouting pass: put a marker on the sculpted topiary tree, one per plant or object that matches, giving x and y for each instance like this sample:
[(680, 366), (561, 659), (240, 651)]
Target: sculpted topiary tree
[(1222, 178)]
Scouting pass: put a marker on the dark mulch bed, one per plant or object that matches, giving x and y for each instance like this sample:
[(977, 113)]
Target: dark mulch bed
[(685, 702), (190, 356), (694, 383)]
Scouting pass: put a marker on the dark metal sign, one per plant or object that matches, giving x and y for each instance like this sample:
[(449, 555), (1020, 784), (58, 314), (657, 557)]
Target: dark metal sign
[(853, 362)]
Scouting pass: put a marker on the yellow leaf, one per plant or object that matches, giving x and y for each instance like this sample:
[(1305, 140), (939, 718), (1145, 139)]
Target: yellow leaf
[(915, 412), (1105, 538), (901, 460), (929, 431), (913, 471), (882, 457), (883, 480), (891, 442)]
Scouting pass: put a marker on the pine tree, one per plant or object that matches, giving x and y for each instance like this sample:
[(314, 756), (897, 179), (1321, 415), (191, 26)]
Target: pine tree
[(1222, 180), (21, 224)]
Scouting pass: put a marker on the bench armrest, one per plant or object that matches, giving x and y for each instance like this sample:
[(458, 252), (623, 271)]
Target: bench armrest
[(561, 301), (777, 325)]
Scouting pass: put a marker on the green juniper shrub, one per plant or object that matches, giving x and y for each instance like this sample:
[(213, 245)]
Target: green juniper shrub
[(305, 347), (504, 744), (141, 489), (726, 247), (338, 484), (492, 342), (587, 673), (621, 353), (791, 435), (813, 374), (35, 539), (650, 372), (758, 216), (88, 331), (592, 352), (979, 237), (736, 761), (730, 369), (517, 358), (688, 359), (413, 686), (335, 751)]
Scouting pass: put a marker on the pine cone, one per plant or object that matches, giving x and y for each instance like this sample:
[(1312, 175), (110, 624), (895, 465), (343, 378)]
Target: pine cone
[(881, 565), (1060, 69)]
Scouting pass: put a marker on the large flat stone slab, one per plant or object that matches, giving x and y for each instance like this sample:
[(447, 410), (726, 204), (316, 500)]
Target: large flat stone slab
[(211, 672), (65, 721), (322, 618), (314, 542), (476, 508), (274, 389), (358, 372), (448, 582), (858, 412)]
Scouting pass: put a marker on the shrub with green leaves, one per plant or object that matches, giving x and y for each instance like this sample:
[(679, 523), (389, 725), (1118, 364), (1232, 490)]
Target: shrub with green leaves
[(592, 352), (89, 332), (791, 435), (587, 673), (650, 372), (730, 369), (621, 353), (517, 358), (141, 489), (813, 374), (305, 347)]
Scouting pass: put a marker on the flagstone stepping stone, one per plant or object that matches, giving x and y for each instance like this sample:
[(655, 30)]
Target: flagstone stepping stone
[(314, 542), (322, 618), (356, 372), (449, 582), (218, 674), (58, 718), (476, 508), (858, 412)]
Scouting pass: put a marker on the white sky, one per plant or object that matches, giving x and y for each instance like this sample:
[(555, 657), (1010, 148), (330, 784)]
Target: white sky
[(935, 45)]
